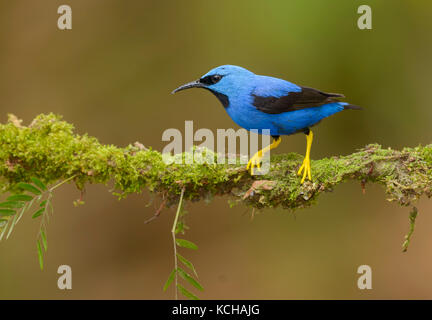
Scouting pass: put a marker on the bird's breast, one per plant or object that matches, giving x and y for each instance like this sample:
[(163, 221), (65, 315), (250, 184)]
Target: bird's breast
[(247, 116)]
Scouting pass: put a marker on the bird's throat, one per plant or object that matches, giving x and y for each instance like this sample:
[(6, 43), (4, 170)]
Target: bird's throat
[(222, 98)]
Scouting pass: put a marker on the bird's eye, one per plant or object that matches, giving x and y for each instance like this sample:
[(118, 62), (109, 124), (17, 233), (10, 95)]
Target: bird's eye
[(209, 80), (216, 78)]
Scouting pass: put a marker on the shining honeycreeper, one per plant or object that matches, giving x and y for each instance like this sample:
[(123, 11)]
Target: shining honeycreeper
[(261, 102)]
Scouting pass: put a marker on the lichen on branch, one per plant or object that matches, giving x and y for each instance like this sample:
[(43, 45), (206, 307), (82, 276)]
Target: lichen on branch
[(50, 150)]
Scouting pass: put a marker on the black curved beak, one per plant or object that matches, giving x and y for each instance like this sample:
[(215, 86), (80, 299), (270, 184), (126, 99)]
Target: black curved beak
[(193, 84)]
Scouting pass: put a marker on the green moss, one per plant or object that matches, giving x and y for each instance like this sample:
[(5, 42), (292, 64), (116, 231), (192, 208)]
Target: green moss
[(50, 150)]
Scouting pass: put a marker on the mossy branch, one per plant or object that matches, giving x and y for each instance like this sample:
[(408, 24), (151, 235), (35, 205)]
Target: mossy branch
[(50, 150)]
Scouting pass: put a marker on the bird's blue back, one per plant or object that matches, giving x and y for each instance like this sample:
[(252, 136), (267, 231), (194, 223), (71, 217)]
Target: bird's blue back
[(241, 86)]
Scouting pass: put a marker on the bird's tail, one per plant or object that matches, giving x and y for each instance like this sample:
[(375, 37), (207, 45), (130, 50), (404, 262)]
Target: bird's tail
[(348, 106), (352, 107)]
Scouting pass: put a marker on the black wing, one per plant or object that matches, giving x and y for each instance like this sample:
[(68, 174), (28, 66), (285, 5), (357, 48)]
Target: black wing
[(306, 98)]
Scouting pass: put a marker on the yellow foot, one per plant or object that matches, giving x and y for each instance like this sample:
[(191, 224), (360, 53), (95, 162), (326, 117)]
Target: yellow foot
[(255, 161), (306, 168)]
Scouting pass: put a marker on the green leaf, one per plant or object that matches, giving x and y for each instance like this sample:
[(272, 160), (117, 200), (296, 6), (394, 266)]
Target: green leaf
[(4, 229), (169, 280), (40, 257), (44, 240), (189, 279), (38, 213), (43, 203), (7, 212), (179, 227), (187, 263), (20, 197), (11, 204), (26, 207), (39, 183), (186, 293), (186, 244), (12, 226), (29, 188)]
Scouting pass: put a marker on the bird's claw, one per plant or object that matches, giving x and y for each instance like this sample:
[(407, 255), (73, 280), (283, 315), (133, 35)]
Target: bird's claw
[(255, 161), (306, 168)]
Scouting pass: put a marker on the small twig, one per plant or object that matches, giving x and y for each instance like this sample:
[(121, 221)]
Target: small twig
[(45, 215), (157, 213), (61, 183), (363, 186), (363, 182), (173, 232), (412, 219)]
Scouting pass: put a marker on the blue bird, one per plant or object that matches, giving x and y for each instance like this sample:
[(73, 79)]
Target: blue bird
[(261, 102)]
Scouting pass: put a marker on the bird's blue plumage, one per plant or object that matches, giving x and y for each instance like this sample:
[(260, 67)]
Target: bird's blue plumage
[(277, 106), (285, 123), (262, 102), (269, 86)]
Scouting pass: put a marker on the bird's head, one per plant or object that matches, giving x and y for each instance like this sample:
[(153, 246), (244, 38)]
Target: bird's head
[(225, 82)]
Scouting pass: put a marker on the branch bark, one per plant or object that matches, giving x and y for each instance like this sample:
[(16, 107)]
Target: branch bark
[(50, 150)]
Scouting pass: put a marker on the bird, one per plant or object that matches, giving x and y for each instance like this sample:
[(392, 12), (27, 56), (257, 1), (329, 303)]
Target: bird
[(281, 108)]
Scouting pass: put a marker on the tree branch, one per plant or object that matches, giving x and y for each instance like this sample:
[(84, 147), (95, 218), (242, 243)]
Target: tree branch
[(49, 149)]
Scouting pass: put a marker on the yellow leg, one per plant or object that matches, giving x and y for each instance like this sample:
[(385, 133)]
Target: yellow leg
[(255, 161), (306, 167)]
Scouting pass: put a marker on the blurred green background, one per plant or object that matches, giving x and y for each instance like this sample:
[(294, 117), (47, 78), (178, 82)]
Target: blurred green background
[(112, 75)]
